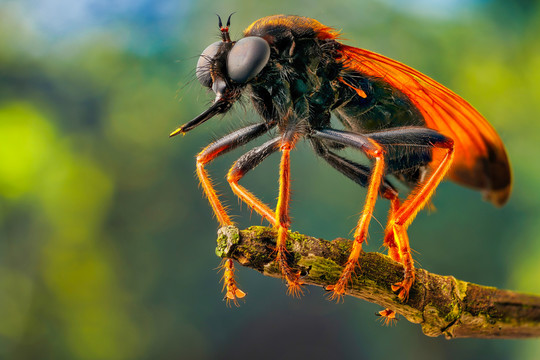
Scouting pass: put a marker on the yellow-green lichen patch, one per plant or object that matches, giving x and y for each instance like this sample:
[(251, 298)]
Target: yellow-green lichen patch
[(221, 245), (455, 311), (296, 237), (344, 245), (432, 324), (255, 256), (321, 269), (228, 237), (461, 289), (261, 232)]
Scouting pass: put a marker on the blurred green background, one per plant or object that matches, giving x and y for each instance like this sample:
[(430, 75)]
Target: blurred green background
[(106, 243)]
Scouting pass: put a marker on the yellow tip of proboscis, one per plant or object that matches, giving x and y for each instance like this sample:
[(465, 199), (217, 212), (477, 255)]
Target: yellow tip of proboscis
[(176, 132)]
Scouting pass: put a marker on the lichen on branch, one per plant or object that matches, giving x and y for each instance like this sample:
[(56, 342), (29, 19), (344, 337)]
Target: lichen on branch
[(441, 305)]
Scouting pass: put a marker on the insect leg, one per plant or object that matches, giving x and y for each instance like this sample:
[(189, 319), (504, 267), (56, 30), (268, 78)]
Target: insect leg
[(232, 292), (283, 221), (244, 164), (356, 172), (394, 250), (406, 213), (387, 317), (360, 175), (215, 149), (401, 216), (373, 150)]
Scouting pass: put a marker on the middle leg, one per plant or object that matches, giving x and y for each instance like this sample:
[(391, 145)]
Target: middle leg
[(245, 163), (372, 149), (360, 174), (283, 221), (280, 218)]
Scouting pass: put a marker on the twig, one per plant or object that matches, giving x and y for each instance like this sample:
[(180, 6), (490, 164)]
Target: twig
[(442, 305)]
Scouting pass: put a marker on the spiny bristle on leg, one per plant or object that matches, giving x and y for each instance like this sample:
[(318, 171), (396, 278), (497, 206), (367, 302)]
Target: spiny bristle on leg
[(403, 287), (232, 292), (294, 284), (339, 288), (294, 289), (392, 246)]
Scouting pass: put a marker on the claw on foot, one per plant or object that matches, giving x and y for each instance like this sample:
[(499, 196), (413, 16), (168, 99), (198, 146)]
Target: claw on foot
[(232, 292), (403, 287), (294, 284), (387, 317), (232, 296), (294, 288), (337, 292), (339, 288)]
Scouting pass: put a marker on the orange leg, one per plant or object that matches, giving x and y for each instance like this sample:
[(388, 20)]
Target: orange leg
[(387, 317), (250, 199), (389, 241), (361, 231), (232, 292), (282, 222), (209, 191), (403, 287), (241, 167), (396, 230), (208, 154)]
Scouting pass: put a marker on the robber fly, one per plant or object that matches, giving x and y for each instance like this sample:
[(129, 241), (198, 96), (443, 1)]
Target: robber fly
[(298, 75)]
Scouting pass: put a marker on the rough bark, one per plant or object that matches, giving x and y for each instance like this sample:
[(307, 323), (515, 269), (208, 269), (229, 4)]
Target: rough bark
[(442, 305)]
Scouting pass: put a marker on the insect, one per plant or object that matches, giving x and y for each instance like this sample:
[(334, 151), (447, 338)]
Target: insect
[(413, 130)]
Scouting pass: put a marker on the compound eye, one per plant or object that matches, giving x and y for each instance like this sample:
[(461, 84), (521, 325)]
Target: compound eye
[(247, 58), (205, 63)]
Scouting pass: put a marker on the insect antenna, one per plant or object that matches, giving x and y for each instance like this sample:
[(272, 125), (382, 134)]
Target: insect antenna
[(229, 19), (224, 29)]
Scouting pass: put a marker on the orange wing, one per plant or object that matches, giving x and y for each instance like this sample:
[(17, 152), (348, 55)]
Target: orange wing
[(480, 158)]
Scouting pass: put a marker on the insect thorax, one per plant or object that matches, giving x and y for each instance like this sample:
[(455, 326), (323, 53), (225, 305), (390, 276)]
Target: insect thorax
[(306, 74), (301, 75)]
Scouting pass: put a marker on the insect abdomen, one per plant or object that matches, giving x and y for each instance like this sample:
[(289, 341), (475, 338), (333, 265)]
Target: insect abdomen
[(383, 107)]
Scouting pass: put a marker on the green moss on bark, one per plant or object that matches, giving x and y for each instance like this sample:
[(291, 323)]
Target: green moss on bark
[(441, 304)]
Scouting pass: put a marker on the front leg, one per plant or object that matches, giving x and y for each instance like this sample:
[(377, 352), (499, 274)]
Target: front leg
[(212, 151), (218, 148)]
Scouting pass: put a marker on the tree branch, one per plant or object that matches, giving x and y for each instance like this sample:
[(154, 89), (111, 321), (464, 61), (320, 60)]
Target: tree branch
[(442, 305)]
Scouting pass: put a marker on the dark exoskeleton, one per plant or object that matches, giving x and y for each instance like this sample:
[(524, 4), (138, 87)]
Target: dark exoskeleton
[(295, 73)]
